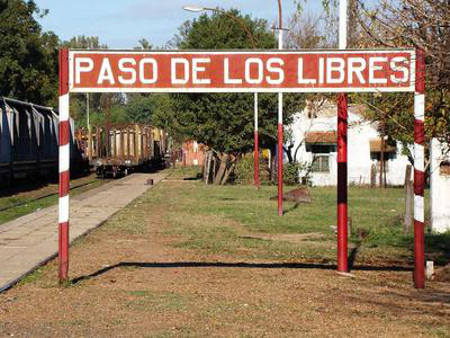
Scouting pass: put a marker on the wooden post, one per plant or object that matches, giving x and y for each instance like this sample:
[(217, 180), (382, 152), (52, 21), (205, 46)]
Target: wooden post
[(409, 200)]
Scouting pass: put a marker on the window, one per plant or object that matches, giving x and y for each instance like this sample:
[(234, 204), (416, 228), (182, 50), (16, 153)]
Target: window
[(321, 156), (321, 163), (388, 156), (376, 156)]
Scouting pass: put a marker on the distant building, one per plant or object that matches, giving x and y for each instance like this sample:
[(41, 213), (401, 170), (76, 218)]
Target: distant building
[(192, 154), (440, 186), (314, 133)]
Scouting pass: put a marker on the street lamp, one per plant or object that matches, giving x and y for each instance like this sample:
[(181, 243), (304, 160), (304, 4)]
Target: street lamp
[(194, 8), (197, 9)]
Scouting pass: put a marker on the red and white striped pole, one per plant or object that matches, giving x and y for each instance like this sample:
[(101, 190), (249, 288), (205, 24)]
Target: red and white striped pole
[(280, 121), (257, 181), (342, 207), (419, 172), (64, 164)]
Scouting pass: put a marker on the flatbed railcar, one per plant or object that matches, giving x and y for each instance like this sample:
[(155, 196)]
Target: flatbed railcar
[(118, 150), (29, 142)]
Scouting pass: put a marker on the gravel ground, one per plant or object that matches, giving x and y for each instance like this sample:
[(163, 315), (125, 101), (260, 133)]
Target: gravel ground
[(131, 279)]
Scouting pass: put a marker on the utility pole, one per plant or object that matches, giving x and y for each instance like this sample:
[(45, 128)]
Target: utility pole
[(89, 128), (257, 181)]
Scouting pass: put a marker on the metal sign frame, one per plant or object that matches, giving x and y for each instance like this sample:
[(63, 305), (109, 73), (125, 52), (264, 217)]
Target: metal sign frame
[(416, 85)]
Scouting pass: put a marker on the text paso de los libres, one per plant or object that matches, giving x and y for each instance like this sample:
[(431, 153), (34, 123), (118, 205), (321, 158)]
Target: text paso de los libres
[(242, 71)]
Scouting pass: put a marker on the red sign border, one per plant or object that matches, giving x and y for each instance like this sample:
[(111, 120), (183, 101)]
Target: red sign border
[(410, 88)]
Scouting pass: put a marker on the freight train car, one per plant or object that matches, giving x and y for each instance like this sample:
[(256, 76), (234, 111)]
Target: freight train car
[(29, 142), (118, 150)]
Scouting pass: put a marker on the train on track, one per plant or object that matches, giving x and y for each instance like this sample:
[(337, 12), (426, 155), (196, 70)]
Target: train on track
[(29, 142), (118, 150), (29, 145)]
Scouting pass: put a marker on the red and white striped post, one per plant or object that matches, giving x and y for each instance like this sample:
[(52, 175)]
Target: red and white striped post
[(280, 121), (342, 180), (419, 172), (280, 154), (64, 164), (342, 193), (257, 181)]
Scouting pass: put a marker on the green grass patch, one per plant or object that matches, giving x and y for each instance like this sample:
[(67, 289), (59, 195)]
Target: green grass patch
[(184, 172), (214, 219), (33, 277)]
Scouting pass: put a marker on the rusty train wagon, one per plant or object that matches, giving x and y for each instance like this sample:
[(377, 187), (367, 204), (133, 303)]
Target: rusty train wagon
[(124, 149), (29, 142)]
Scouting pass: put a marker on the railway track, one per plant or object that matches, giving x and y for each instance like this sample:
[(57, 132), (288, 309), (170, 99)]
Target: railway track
[(32, 200)]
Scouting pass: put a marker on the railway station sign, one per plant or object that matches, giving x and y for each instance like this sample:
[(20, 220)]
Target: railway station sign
[(246, 71)]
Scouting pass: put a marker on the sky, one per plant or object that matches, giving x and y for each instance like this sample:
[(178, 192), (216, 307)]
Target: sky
[(122, 23)]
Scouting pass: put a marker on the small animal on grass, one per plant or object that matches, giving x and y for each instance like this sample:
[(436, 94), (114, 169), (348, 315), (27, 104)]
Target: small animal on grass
[(300, 195)]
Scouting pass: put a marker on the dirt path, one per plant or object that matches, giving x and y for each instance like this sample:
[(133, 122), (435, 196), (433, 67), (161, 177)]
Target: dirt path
[(131, 278)]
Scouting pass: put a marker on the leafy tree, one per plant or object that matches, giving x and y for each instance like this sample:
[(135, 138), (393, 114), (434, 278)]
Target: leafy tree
[(28, 57), (104, 107), (144, 44), (85, 42), (410, 23), (224, 122)]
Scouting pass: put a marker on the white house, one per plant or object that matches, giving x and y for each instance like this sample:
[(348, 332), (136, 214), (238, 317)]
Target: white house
[(440, 186), (314, 133)]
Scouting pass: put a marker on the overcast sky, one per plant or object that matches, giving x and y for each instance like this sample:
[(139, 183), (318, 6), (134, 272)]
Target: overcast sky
[(122, 23)]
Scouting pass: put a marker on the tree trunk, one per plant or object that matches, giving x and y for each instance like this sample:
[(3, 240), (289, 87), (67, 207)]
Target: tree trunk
[(222, 169), (273, 168), (373, 175), (382, 171), (228, 172), (207, 167), (409, 200)]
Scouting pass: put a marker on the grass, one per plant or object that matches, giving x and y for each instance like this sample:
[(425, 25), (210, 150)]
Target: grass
[(222, 219)]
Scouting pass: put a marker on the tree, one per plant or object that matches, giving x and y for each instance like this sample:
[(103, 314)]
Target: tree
[(85, 42), (144, 44), (28, 57), (423, 24), (224, 122)]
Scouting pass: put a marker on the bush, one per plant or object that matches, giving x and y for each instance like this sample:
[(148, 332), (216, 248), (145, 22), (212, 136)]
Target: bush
[(243, 173), (291, 173)]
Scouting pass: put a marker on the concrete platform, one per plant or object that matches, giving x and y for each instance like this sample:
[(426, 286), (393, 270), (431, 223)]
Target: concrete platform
[(32, 240)]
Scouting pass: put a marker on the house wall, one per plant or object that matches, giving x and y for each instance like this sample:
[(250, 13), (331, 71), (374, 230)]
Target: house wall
[(359, 157), (193, 154), (440, 188)]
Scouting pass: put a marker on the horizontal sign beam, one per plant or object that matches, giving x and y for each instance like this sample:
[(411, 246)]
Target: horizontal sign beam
[(262, 71)]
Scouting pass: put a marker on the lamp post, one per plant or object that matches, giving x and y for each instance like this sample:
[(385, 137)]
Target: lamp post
[(89, 128), (191, 8)]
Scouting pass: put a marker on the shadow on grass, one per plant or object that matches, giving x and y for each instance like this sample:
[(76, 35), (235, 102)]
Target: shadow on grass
[(438, 246), (242, 265)]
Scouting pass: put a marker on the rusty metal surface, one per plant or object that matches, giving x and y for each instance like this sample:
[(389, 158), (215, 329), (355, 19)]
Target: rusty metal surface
[(120, 144)]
